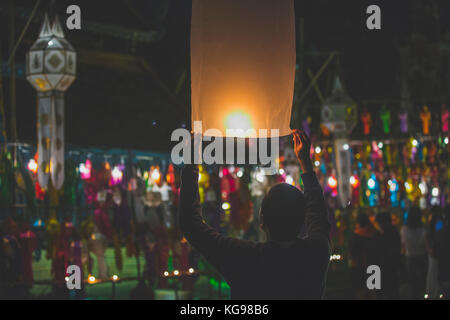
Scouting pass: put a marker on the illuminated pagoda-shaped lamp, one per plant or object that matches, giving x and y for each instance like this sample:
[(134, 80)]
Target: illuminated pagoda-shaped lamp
[(339, 115), (51, 68)]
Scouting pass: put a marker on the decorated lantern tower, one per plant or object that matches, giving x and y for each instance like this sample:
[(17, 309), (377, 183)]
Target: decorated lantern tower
[(50, 68), (339, 116)]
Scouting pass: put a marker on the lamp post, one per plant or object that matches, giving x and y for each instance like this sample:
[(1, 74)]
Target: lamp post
[(339, 115), (51, 68)]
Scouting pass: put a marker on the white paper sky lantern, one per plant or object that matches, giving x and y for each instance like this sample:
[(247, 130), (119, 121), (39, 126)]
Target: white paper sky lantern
[(51, 68), (242, 64)]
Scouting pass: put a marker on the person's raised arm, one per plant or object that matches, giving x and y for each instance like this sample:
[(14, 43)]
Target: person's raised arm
[(316, 216), (222, 252)]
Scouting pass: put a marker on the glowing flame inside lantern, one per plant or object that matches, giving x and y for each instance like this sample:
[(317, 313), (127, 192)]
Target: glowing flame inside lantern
[(238, 120)]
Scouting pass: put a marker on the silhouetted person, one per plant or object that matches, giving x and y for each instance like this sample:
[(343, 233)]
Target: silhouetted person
[(284, 267), (389, 248), (442, 254), (413, 236), (432, 282), (363, 253)]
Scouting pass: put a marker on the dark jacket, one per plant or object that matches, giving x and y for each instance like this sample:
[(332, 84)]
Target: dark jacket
[(442, 253), (363, 253), (271, 270)]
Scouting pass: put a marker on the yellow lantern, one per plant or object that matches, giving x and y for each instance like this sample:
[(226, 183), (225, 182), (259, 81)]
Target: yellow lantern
[(203, 183), (242, 65)]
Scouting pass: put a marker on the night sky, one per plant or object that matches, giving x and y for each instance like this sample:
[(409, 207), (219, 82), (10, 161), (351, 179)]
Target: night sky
[(125, 104)]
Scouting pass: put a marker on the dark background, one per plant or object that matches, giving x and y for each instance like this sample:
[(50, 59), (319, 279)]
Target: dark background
[(132, 94)]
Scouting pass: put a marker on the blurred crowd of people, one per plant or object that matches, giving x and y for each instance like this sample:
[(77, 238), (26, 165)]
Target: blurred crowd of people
[(414, 260)]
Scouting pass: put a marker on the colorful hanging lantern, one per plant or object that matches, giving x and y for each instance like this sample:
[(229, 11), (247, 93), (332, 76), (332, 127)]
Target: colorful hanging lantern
[(435, 201), (170, 176), (50, 68), (403, 117), (332, 184), (409, 188), (117, 175), (85, 170), (155, 175), (372, 190), (444, 118), (32, 166), (366, 119), (289, 180), (355, 183), (242, 65), (393, 189), (425, 117), (385, 116), (306, 125), (372, 182), (203, 183)]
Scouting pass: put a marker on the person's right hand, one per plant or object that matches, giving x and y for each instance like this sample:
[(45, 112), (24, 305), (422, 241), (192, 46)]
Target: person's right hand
[(302, 147)]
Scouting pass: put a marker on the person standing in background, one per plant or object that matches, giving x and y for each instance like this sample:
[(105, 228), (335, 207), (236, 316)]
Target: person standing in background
[(432, 286), (442, 254), (389, 247), (413, 237), (363, 253)]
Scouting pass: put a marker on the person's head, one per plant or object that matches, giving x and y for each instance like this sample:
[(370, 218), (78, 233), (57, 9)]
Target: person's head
[(384, 219), (283, 212), (414, 219)]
